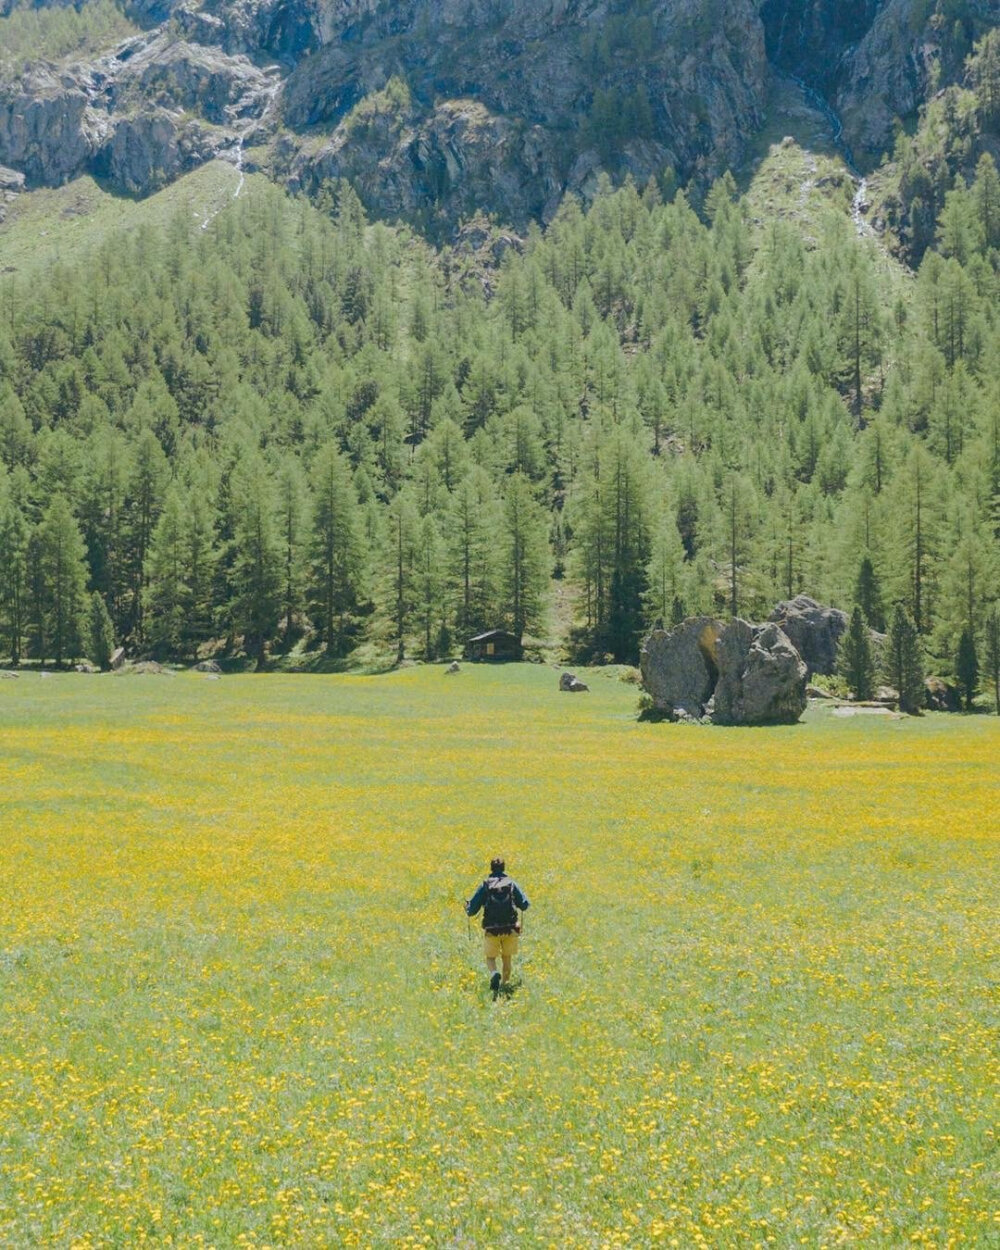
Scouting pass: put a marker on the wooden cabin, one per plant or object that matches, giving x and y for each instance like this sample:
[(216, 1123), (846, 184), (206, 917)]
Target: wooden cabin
[(495, 644)]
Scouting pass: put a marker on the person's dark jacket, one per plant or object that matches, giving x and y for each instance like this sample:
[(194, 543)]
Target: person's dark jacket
[(520, 900)]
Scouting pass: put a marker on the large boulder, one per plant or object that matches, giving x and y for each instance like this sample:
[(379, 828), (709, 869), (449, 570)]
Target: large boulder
[(762, 677), (813, 630), (680, 668), (569, 683), (735, 674), (941, 696)]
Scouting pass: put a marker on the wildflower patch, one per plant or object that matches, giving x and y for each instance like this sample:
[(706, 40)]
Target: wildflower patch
[(756, 998)]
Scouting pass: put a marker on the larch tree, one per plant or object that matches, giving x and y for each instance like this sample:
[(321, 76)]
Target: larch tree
[(14, 537), (525, 571), (62, 565), (256, 567), (168, 595), (336, 555)]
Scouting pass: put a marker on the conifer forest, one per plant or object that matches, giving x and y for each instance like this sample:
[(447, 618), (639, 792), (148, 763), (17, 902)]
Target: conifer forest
[(293, 427)]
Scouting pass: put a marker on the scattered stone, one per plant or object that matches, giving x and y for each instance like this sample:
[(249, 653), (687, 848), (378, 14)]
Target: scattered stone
[(817, 692), (117, 657), (864, 709), (762, 677), (145, 668), (941, 696), (453, 667), (6, 674), (569, 683), (86, 667), (207, 666), (11, 180), (813, 630)]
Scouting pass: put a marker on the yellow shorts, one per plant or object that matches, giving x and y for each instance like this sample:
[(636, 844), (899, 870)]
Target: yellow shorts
[(496, 944)]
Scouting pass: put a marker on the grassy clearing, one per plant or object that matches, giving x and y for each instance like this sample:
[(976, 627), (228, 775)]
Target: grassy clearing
[(52, 225), (240, 1005)]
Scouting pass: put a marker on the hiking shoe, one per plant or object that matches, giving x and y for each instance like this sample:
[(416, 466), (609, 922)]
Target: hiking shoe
[(495, 984)]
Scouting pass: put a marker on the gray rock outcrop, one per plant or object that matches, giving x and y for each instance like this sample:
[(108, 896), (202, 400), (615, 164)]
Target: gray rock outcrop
[(731, 674), (495, 96), (680, 667), (814, 631), (138, 117), (762, 678), (437, 108), (495, 114)]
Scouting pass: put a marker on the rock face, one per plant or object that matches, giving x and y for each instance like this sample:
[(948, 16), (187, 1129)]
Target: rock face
[(814, 631), (438, 108), (151, 110), (762, 678), (504, 106), (522, 98), (735, 674), (874, 61)]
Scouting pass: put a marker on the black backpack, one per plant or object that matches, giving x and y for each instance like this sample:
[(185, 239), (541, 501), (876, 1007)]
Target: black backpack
[(498, 909)]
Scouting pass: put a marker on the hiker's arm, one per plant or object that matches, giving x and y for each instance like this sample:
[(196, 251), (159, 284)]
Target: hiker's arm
[(520, 898), (477, 900)]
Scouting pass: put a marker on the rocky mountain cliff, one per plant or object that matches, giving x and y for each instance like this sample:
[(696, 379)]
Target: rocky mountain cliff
[(437, 109)]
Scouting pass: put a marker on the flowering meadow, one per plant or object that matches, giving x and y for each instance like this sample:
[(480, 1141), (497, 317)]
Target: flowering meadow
[(240, 1004)]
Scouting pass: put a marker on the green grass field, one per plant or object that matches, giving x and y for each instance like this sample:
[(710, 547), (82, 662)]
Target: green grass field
[(757, 998)]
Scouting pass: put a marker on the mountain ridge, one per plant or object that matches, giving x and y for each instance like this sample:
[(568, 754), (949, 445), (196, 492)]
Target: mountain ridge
[(435, 112)]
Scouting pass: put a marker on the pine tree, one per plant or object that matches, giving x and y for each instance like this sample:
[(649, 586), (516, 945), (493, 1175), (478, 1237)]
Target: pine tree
[(167, 593), (904, 667), (256, 569), (63, 575), (430, 579), (967, 667), (292, 506), (336, 558), (201, 553), (868, 595), (104, 521), (525, 571), (665, 573), (150, 474), (14, 537), (856, 662), (993, 653), (100, 632), (473, 522), (400, 565)]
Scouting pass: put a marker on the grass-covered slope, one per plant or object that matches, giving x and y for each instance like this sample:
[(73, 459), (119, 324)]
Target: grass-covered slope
[(55, 226), (241, 1005)]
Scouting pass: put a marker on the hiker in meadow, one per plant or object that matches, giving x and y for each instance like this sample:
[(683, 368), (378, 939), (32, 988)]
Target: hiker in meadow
[(500, 899)]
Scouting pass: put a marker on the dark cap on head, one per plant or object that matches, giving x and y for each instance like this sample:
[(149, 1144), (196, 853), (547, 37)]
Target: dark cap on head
[(497, 866)]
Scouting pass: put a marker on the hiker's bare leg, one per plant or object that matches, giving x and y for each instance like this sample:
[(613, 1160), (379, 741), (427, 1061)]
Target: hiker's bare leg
[(506, 969), (491, 963)]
